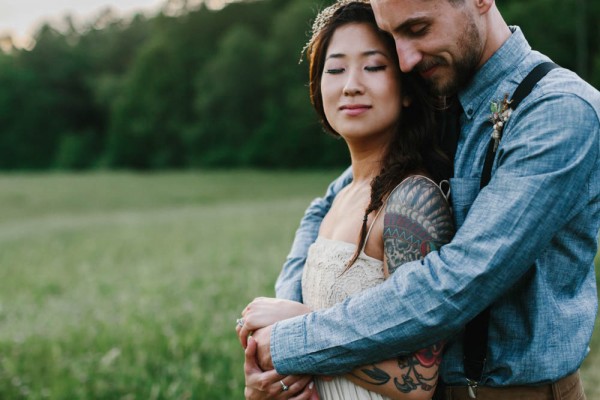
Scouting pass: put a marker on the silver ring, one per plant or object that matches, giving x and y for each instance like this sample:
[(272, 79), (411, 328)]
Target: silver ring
[(284, 387), (240, 322)]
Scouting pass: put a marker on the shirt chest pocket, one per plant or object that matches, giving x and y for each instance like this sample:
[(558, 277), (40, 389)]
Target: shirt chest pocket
[(463, 194)]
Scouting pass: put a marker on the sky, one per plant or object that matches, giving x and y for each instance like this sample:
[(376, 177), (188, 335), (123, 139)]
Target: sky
[(21, 18)]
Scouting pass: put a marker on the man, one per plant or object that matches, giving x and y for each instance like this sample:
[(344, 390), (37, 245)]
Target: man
[(524, 244)]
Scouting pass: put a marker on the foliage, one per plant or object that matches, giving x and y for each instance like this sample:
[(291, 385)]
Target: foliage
[(195, 87)]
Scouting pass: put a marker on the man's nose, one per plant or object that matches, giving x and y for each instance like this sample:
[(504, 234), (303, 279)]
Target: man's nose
[(408, 55)]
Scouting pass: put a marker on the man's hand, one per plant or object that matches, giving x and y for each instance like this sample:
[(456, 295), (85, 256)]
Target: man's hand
[(268, 385), (263, 351)]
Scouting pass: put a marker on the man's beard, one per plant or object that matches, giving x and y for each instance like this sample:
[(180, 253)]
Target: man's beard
[(461, 71)]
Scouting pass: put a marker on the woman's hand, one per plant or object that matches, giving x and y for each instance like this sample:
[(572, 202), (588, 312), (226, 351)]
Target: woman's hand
[(265, 311), (269, 385)]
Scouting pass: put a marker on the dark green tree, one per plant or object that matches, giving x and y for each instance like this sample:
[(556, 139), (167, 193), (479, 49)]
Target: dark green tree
[(565, 30), (200, 87), (229, 96)]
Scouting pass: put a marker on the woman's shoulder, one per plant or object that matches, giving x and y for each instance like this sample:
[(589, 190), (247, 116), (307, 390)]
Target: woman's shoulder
[(418, 204), (418, 191), (417, 214)]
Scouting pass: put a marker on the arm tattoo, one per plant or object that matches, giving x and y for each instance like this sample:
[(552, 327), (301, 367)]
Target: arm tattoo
[(417, 221), (409, 378)]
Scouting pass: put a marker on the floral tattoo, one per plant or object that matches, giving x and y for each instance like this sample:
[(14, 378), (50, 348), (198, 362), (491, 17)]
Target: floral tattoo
[(412, 374)]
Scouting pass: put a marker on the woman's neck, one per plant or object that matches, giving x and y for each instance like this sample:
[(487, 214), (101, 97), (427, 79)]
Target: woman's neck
[(366, 163)]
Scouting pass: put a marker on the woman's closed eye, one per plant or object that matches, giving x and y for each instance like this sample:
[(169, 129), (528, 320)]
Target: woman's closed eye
[(376, 68), (334, 71)]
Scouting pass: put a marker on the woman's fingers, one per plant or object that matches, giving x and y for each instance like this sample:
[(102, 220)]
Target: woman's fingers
[(270, 381), (308, 393), (243, 334), (296, 385), (255, 376), (237, 332)]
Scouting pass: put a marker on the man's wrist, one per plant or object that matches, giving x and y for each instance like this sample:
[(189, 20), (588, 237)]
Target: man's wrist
[(288, 339)]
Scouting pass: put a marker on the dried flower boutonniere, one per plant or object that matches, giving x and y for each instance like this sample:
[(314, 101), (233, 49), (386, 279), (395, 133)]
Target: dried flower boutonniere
[(501, 112)]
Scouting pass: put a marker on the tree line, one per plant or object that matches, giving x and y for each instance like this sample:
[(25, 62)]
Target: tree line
[(206, 88)]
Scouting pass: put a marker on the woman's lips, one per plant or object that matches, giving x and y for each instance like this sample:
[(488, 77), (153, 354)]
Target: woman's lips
[(354, 109)]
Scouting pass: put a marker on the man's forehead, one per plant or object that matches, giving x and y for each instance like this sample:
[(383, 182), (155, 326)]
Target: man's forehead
[(390, 8), (403, 2), (392, 13)]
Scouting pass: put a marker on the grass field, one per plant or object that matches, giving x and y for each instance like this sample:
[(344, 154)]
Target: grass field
[(127, 286)]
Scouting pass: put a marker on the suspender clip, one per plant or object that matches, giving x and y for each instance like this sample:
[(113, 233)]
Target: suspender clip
[(472, 388)]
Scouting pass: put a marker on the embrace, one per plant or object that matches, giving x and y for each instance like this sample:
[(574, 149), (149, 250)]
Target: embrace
[(454, 258)]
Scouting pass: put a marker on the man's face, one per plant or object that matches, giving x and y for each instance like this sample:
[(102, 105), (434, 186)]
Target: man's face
[(438, 40)]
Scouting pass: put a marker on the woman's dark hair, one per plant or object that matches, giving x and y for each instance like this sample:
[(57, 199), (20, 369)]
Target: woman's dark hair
[(415, 146)]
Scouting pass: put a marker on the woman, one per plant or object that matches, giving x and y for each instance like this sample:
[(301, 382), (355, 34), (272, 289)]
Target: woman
[(385, 119)]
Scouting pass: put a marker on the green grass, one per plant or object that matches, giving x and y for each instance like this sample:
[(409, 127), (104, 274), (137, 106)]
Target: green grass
[(127, 286)]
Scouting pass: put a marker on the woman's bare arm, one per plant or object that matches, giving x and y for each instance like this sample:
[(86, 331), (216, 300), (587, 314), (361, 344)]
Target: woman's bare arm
[(417, 220)]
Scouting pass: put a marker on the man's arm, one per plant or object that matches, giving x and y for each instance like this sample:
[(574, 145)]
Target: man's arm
[(544, 164), (289, 282)]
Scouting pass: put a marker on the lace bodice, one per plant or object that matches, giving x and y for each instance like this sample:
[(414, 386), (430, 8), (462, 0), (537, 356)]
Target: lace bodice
[(324, 285)]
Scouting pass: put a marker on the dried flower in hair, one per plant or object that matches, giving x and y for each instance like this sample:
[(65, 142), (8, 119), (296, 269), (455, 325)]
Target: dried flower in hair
[(324, 18)]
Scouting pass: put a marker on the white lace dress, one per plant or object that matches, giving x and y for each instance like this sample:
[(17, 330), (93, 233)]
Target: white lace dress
[(324, 285)]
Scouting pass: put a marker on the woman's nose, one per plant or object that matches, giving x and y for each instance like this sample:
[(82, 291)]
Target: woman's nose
[(353, 85)]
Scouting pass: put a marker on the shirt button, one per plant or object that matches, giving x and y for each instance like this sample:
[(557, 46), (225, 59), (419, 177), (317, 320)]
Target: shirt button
[(470, 112)]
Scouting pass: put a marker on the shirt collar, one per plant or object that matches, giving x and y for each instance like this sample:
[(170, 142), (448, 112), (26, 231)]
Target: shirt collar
[(500, 65)]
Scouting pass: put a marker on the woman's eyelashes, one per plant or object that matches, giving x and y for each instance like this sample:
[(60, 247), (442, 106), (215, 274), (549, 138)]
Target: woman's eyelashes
[(369, 68), (335, 71), (376, 68)]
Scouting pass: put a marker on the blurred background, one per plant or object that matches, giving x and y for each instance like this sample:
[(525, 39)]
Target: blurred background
[(202, 84), (155, 159)]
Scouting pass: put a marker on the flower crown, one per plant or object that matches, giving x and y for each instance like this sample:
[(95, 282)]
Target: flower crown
[(324, 18)]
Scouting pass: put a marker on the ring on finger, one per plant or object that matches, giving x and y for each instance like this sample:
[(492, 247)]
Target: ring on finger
[(240, 322), (284, 387)]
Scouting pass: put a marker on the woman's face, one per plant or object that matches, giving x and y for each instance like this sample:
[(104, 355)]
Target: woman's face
[(360, 85)]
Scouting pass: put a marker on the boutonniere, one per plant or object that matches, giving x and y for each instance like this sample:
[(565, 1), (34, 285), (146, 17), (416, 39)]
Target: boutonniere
[(501, 112)]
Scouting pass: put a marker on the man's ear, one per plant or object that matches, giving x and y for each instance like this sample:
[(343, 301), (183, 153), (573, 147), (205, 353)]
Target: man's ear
[(483, 6)]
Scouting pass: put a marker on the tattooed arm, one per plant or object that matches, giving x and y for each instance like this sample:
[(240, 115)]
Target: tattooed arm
[(417, 221)]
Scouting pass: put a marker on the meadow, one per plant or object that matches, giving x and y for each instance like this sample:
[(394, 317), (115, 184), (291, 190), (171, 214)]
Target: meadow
[(127, 286)]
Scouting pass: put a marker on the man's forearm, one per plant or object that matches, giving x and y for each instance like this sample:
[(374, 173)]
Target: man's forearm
[(328, 342)]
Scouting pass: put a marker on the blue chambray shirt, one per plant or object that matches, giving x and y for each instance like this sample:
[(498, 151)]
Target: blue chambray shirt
[(524, 244)]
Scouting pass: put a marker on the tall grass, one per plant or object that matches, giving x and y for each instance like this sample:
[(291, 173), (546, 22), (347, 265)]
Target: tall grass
[(127, 286)]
